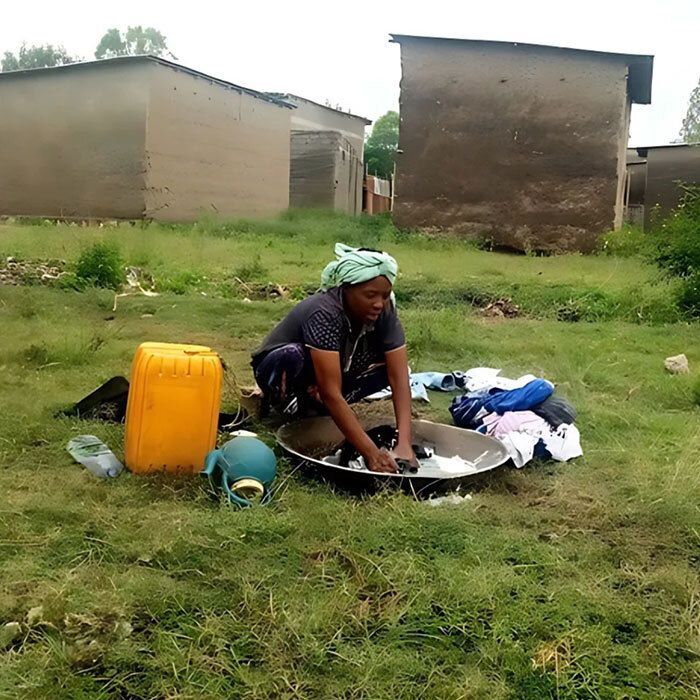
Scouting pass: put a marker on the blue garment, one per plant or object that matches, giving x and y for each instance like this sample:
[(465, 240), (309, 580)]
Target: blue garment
[(467, 410), (464, 409), (522, 399), (437, 381)]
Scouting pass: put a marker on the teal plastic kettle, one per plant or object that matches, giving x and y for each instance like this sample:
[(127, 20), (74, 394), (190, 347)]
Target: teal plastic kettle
[(244, 468)]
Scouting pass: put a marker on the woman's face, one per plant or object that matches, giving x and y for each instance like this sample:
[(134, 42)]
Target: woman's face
[(366, 301)]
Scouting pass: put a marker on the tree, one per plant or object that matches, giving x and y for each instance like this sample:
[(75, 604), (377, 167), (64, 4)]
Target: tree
[(690, 131), (134, 41), (381, 145), (42, 56)]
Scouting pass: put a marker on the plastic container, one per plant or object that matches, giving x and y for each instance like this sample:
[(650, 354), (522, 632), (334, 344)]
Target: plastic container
[(173, 408), (95, 456)]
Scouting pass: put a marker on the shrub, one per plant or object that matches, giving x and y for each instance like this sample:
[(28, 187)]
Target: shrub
[(253, 271), (180, 282), (689, 295), (101, 265), (677, 248), (624, 243), (677, 239)]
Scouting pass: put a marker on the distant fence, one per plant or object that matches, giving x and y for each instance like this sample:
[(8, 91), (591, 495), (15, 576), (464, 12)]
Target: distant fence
[(376, 195)]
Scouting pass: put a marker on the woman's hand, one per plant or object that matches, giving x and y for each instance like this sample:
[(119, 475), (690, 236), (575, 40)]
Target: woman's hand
[(381, 461), (405, 452)]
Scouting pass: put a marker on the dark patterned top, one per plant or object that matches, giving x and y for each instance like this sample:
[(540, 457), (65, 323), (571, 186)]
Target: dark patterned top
[(320, 322)]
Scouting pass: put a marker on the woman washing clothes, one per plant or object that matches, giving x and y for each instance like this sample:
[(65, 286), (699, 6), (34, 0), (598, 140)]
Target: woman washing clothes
[(339, 346)]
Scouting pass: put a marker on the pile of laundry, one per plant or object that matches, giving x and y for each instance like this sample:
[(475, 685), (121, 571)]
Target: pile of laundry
[(524, 414)]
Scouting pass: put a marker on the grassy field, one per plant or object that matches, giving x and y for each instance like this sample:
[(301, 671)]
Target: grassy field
[(575, 580)]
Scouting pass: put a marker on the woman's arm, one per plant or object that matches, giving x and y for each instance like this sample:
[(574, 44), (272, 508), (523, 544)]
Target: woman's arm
[(397, 369), (330, 382)]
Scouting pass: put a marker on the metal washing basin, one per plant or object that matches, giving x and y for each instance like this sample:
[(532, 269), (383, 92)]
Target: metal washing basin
[(311, 439)]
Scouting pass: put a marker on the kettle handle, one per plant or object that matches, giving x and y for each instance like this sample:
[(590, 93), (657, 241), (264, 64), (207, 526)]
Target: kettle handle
[(234, 498), (210, 462)]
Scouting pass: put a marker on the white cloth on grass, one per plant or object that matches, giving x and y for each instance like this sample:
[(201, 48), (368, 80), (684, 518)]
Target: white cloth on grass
[(480, 378), (564, 443), (520, 431)]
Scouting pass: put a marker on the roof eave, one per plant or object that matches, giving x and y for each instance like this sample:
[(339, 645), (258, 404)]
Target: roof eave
[(154, 59), (640, 66)]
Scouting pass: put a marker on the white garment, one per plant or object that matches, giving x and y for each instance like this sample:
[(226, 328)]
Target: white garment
[(450, 465), (520, 431), (454, 499), (479, 378), (564, 443), (378, 395), (510, 384), (520, 447)]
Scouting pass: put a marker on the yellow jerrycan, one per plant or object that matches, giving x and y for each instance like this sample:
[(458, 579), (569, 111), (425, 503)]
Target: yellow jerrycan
[(173, 408)]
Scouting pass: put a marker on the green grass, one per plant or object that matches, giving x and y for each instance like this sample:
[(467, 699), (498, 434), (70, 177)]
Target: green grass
[(293, 249), (575, 580)]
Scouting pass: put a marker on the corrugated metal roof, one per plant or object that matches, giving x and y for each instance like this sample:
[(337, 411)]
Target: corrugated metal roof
[(289, 95), (641, 66), (154, 59), (666, 145)]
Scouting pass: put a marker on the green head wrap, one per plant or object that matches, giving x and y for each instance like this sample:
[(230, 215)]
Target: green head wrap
[(355, 266)]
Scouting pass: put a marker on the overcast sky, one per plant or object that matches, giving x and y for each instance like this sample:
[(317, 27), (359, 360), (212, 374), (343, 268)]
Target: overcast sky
[(340, 51)]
